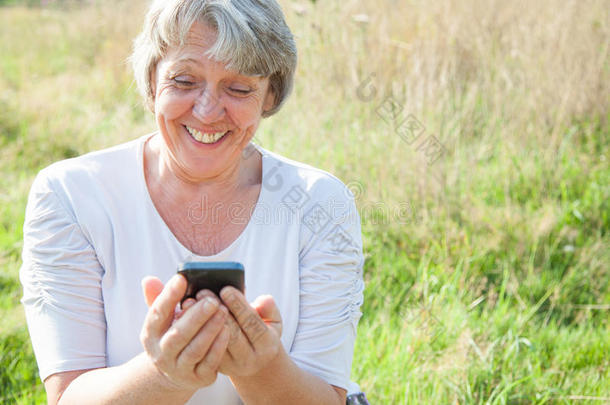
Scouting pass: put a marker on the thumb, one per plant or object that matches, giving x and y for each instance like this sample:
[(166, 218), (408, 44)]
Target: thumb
[(151, 288), (269, 312)]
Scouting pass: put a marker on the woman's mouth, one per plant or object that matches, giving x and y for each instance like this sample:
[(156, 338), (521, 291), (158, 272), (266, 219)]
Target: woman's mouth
[(205, 138)]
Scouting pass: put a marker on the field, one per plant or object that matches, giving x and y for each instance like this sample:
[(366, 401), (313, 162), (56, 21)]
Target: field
[(475, 135)]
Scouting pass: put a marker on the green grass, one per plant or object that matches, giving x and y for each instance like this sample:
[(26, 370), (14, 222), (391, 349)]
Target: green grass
[(487, 272)]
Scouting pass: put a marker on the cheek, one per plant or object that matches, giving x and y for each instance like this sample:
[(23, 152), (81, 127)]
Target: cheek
[(171, 105), (244, 114)]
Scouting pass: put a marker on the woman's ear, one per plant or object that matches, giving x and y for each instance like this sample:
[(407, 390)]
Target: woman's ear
[(153, 90), (269, 100)]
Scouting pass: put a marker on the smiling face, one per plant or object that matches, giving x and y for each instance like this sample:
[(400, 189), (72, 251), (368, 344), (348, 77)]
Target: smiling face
[(206, 114)]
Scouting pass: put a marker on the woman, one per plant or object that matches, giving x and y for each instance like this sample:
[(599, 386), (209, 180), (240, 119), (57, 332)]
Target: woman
[(98, 225)]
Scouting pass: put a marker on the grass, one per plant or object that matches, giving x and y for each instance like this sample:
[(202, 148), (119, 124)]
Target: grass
[(487, 270)]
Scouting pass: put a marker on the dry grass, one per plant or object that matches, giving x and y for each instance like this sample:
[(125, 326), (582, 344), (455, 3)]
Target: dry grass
[(507, 235)]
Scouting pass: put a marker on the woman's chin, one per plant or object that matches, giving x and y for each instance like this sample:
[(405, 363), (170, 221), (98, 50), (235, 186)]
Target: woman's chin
[(199, 167)]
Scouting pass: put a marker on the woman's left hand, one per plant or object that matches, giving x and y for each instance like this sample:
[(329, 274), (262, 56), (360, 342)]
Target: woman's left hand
[(255, 332)]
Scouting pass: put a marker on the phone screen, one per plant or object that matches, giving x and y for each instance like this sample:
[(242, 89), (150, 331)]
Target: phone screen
[(212, 276)]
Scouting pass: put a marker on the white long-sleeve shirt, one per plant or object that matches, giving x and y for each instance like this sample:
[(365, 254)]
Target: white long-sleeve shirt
[(92, 233)]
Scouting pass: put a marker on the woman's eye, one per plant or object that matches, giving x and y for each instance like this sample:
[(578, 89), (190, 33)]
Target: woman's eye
[(182, 81), (240, 91)]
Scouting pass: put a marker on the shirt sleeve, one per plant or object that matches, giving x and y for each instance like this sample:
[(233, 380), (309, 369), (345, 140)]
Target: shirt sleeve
[(61, 280), (331, 289)]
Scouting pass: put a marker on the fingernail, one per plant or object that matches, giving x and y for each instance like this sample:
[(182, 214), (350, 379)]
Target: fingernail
[(204, 293), (227, 294), (209, 303)]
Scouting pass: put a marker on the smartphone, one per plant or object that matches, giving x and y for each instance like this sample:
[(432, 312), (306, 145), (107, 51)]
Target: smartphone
[(212, 276)]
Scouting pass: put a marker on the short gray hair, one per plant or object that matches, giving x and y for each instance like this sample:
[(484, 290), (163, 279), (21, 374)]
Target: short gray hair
[(253, 39)]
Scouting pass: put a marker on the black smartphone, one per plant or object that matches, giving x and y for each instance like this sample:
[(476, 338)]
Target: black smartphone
[(212, 276)]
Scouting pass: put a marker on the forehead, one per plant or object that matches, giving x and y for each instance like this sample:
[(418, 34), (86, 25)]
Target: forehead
[(200, 38)]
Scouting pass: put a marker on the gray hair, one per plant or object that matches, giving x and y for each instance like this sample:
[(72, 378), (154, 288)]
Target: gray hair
[(253, 39)]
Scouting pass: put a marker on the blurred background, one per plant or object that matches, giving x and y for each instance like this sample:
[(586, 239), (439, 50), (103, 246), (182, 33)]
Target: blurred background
[(473, 133)]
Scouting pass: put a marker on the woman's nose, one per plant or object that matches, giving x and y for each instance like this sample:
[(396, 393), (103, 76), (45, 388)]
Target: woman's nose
[(208, 107)]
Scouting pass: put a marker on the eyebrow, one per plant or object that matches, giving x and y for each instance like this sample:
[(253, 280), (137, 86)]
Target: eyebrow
[(182, 62), (187, 60), (234, 74)]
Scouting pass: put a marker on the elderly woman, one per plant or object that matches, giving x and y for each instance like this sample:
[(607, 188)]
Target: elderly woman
[(99, 225)]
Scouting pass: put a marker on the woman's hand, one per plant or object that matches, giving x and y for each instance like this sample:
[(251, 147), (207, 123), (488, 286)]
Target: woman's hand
[(186, 347), (255, 332)]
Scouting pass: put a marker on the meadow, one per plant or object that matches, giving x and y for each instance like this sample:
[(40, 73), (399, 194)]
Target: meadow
[(473, 133)]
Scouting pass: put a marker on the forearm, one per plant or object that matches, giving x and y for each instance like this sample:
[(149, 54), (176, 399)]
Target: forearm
[(135, 382), (283, 382)]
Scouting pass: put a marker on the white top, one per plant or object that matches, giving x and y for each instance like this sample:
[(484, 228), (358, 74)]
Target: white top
[(92, 233)]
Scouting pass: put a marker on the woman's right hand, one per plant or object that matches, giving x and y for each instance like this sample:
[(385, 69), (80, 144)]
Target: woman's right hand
[(186, 349)]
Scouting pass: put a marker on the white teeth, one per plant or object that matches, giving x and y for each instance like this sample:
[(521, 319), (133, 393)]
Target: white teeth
[(205, 138)]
